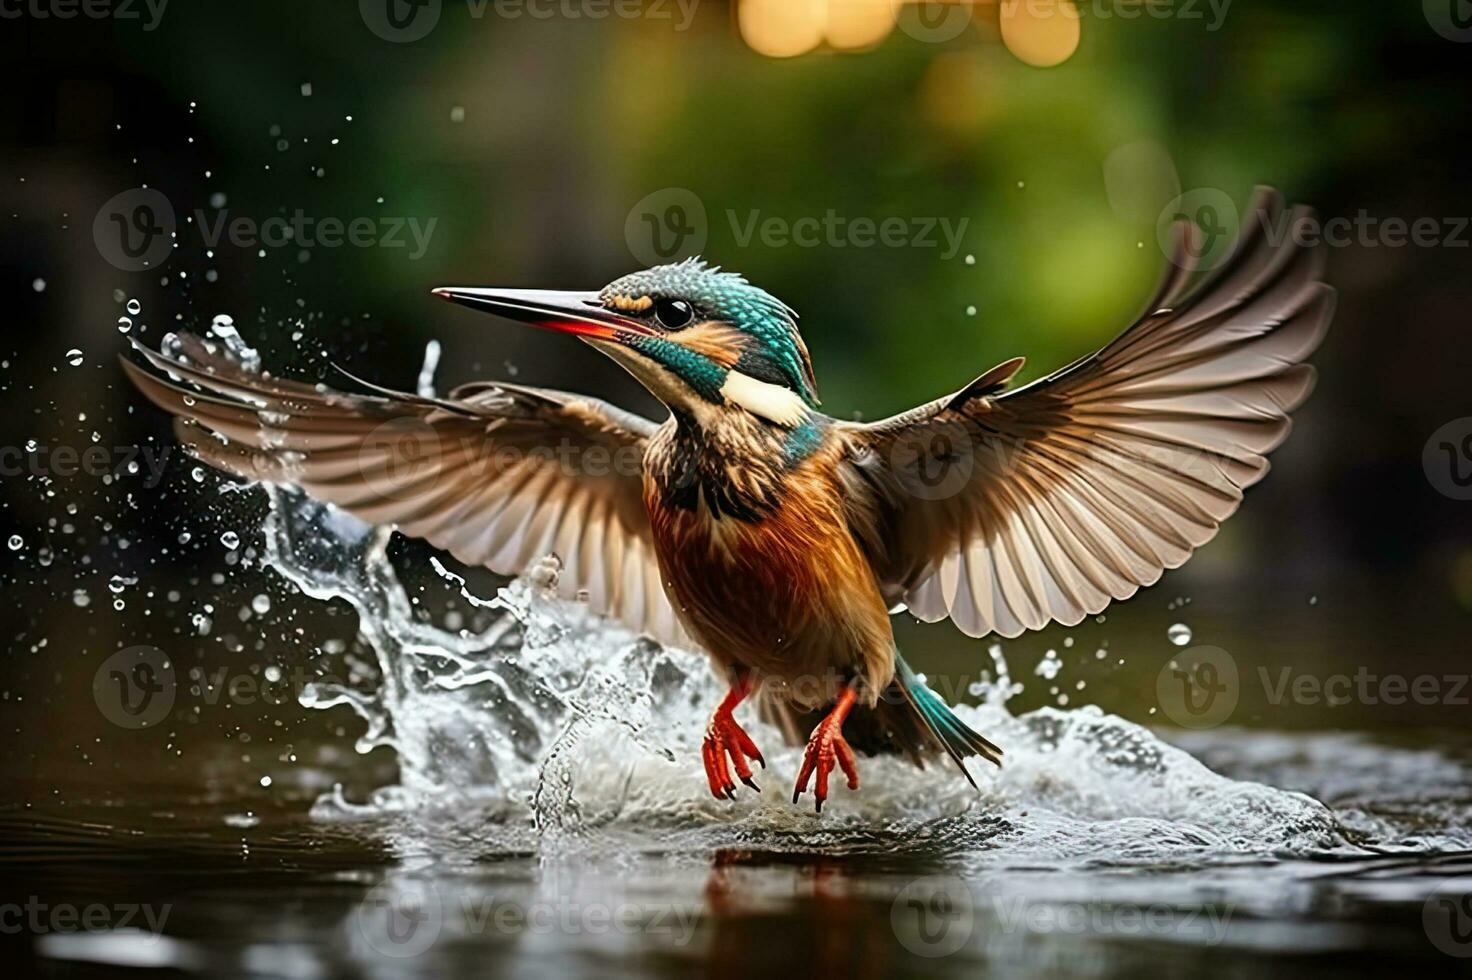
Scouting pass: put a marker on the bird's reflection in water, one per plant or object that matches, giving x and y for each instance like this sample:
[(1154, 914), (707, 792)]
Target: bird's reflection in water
[(816, 922)]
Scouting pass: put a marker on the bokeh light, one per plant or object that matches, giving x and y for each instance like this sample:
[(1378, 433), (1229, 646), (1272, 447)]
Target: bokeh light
[(782, 28), (1042, 33)]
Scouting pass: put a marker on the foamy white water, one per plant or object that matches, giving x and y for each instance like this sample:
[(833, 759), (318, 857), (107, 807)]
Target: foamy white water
[(562, 729)]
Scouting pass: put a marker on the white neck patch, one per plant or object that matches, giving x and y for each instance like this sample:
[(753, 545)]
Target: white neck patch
[(772, 402)]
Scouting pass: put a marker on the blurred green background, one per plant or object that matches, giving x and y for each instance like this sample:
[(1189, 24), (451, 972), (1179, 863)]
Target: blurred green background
[(537, 145)]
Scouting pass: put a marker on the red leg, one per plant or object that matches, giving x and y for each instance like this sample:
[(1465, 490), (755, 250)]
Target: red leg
[(723, 738), (827, 746)]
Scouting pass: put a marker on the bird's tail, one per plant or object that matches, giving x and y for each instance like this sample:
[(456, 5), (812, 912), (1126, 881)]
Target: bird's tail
[(910, 719), (953, 734)]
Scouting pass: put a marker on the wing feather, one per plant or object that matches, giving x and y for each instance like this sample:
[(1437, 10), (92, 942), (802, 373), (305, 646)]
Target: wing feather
[(1079, 488), (481, 474)]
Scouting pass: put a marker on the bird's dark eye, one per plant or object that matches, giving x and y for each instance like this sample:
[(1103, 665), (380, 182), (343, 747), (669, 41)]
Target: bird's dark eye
[(673, 314)]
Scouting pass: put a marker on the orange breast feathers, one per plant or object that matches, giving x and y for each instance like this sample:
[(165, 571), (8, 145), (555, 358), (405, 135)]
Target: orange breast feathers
[(790, 594)]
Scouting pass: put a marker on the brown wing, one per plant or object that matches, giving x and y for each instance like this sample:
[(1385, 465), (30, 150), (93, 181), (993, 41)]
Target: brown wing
[(496, 474), (1006, 512)]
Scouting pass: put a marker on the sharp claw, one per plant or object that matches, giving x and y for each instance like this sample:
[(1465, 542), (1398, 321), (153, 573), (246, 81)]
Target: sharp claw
[(795, 794), (761, 761), (820, 805), (730, 792), (751, 782)]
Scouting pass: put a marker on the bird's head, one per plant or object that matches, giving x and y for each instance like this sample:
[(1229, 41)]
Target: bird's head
[(695, 336)]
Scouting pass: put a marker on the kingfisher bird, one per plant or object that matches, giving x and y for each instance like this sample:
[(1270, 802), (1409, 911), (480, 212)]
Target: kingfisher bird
[(777, 538)]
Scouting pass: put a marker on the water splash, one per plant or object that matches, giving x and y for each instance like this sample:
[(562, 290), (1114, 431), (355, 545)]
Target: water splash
[(549, 728)]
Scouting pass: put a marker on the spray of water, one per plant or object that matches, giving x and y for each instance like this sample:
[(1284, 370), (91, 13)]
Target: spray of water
[(560, 728), (547, 727)]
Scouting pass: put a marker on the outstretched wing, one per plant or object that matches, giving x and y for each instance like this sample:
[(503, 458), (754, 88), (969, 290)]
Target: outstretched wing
[(496, 474), (1008, 511)]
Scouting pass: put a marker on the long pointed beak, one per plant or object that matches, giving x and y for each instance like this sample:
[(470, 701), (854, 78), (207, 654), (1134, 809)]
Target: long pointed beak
[(566, 312)]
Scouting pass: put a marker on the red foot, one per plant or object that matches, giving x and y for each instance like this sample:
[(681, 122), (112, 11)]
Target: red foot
[(827, 746), (724, 738)]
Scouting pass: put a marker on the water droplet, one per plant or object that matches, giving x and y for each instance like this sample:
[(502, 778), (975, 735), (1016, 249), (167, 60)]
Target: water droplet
[(971, 311), (16, 542), (135, 307), (261, 604), (1179, 634), (230, 540), (265, 780), (125, 324), (81, 598), (970, 260), (457, 113), (74, 357), (223, 327), (39, 285)]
